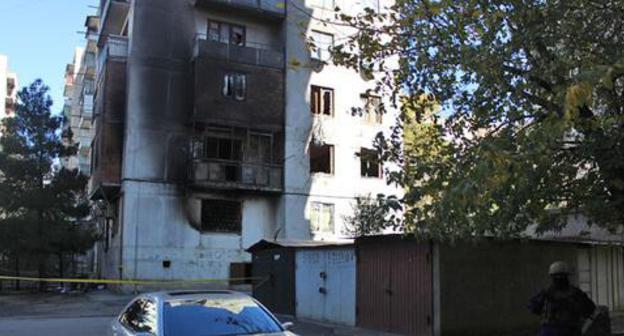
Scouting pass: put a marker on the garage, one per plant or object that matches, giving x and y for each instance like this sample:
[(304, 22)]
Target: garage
[(394, 285), (325, 284)]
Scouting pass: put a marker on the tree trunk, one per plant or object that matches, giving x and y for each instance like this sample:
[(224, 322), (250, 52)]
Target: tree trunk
[(17, 271), (60, 266), (60, 260)]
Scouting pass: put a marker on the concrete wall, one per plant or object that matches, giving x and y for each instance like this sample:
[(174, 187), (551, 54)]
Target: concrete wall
[(346, 132), (485, 288)]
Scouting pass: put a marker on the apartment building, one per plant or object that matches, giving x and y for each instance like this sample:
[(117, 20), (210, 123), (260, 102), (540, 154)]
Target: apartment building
[(8, 88), (78, 93), (216, 126)]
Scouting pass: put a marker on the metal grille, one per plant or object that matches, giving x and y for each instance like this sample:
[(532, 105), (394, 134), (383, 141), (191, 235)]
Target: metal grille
[(220, 216)]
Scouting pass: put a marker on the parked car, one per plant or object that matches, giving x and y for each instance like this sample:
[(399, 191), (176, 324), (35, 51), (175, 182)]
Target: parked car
[(197, 313)]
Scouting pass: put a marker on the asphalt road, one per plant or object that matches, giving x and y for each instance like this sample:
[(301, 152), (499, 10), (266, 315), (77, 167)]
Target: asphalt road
[(55, 326)]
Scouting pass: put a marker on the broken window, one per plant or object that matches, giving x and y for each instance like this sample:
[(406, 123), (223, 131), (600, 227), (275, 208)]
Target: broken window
[(371, 109), (322, 217), (370, 165), (219, 148), (226, 33), (259, 149), (321, 44), (235, 86), (321, 158), (322, 100), (220, 216)]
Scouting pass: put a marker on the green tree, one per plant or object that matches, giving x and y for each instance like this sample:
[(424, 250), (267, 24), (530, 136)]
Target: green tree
[(530, 125), (371, 215), (40, 207)]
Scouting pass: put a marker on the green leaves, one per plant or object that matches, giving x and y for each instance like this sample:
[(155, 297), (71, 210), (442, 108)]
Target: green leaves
[(526, 124)]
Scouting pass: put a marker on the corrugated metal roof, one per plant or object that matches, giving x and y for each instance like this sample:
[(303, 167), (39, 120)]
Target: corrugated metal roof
[(270, 244)]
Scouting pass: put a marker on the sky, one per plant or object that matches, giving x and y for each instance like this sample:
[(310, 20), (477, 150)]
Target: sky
[(39, 38)]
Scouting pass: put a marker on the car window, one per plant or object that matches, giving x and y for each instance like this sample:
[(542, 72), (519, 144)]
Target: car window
[(222, 316), (140, 317)]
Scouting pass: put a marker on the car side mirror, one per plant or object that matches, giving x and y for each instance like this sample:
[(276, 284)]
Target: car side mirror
[(288, 325)]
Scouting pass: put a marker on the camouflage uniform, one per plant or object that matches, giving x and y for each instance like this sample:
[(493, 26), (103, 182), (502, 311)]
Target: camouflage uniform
[(563, 310)]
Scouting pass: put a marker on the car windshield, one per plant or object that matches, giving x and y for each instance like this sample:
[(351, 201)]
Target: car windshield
[(220, 316)]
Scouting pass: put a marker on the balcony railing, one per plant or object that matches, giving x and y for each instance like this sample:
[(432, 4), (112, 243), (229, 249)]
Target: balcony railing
[(116, 47), (229, 174), (87, 106), (266, 8), (112, 16), (252, 53)]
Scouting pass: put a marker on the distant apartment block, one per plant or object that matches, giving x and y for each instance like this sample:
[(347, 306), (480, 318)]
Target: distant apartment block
[(207, 137), (8, 88), (79, 92)]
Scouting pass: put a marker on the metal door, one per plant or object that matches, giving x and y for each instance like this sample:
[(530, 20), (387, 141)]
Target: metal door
[(373, 287), (394, 286), (325, 285), (310, 264)]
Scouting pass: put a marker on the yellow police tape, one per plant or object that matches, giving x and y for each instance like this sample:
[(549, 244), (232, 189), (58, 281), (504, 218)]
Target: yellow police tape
[(134, 282)]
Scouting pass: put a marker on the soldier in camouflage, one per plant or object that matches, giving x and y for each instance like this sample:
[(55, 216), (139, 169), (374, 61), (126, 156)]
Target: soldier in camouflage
[(563, 306)]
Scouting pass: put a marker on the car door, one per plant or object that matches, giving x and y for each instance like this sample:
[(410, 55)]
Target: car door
[(139, 318)]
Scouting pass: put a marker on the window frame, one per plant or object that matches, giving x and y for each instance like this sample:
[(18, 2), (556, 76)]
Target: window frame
[(373, 116), (322, 206), (332, 156), (318, 103), (229, 89), (230, 29), (317, 54), (367, 152)]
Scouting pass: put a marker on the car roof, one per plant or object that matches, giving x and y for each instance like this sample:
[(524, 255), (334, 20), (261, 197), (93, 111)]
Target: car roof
[(195, 294)]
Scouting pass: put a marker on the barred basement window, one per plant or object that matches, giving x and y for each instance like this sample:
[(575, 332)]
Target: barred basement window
[(235, 86), (220, 216)]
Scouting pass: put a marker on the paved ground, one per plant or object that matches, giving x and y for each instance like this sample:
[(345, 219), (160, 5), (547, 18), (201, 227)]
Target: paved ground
[(90, 315)]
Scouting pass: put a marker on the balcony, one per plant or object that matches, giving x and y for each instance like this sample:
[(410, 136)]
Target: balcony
[(113, 14), (256, 54), (87, 106), (266, 9), (236, 175), (237, 159), (115, 49), (263, 69)]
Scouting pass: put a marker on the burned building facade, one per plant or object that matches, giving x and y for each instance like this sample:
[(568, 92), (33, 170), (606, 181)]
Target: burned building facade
[(208, 139)]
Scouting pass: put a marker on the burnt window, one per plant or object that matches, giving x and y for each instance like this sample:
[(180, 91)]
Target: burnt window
[(370, 165), (219, 148), (322, 100), (226, 33), (321, 44), (220, 216), (235, 86), (371, 109), (259, 148), (321, 158)]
